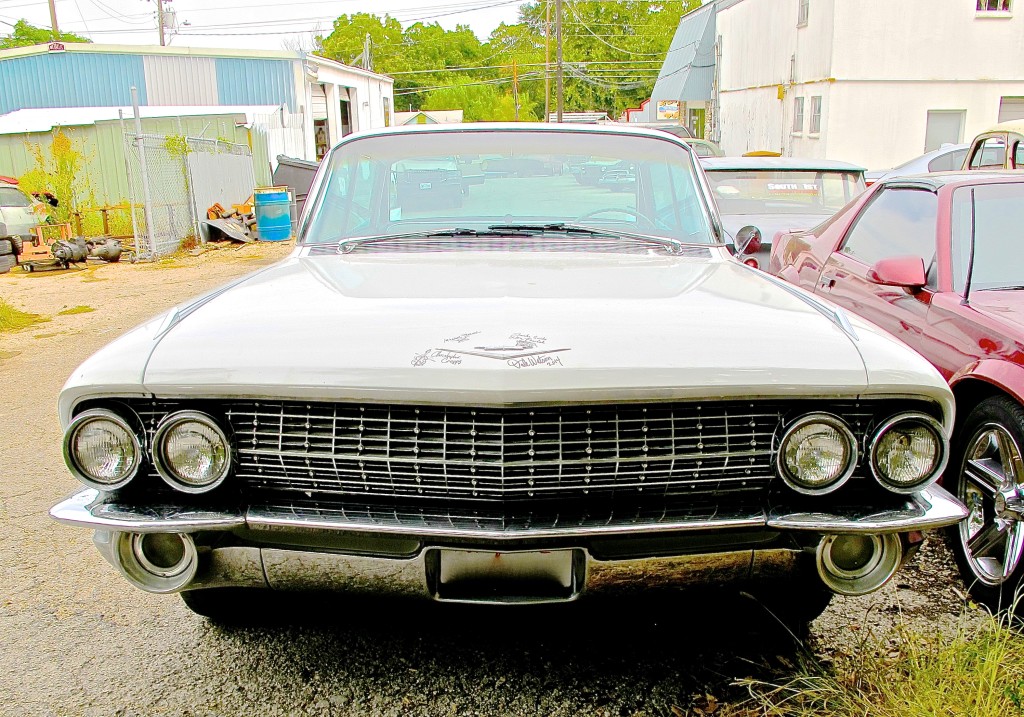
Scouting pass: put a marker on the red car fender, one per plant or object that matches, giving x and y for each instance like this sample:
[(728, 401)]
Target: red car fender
[(1004, 375)]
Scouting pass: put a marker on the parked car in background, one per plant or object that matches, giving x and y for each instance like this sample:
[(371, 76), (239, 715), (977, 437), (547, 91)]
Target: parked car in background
[(549, 391), (936, 261), (19, 213), (702, 147), (947, 158), (1000, 147), (779, 194)]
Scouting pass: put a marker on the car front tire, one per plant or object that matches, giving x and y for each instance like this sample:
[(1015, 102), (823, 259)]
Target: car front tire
[(988, 469)]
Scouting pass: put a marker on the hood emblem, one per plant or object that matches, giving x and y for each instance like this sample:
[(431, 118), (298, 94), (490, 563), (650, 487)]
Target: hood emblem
[(519, 350)]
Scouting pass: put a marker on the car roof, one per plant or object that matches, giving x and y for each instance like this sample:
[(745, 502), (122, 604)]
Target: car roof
[(937, 180), (778, 163), (552, 127), (1009, 126), (608, 128)]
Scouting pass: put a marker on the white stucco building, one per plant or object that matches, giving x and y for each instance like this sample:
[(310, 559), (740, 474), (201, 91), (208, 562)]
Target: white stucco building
[(872, 82)]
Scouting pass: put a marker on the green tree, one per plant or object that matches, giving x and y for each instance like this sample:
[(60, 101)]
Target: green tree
[(481, 103), (612, 53), (25, 34)]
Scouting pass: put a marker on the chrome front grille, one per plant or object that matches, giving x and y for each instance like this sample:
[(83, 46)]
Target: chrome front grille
[(480, 454), (507, 461)]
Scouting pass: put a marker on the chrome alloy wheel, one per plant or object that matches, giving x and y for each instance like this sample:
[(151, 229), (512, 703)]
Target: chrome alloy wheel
[(992, 488)]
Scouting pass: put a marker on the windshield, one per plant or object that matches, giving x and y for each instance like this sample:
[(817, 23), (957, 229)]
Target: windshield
[(773, 191), (424, 181)]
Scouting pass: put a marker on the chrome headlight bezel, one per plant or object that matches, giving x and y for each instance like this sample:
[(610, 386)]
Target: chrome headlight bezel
[(941, 442), (71, 460), (851, 443), (167, 471)]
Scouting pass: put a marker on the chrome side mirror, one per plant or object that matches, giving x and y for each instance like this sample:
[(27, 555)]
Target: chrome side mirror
[(747, 241)]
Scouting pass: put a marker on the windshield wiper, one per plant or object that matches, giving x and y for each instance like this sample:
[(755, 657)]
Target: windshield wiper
[(347, 245), (674, 245), (503, 230)]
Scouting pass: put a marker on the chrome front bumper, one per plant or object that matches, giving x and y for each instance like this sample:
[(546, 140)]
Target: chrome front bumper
[(932, 508), (288, 549)]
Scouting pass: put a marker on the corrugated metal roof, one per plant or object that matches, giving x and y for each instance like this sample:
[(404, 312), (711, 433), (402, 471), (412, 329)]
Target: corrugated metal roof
[(70, 79), (688, 70), (43, 120)]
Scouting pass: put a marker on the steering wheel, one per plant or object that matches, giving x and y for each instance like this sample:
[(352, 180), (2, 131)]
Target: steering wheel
[(640, 216)]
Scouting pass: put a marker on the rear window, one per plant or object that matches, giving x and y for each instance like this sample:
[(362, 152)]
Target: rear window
[(949, 162), (13, 197), (772, 191)]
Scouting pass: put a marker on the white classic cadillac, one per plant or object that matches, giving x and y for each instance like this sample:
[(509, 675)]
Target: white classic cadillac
[(480, 380)]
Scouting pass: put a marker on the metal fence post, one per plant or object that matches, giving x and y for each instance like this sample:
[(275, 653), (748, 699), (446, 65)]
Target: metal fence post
[(147, 200)]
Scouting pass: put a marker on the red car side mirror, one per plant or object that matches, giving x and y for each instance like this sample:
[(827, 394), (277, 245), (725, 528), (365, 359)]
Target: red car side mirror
[(905, 271)]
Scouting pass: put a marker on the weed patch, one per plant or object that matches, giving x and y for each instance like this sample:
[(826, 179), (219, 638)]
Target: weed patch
[(81, 309), (977, 671), (12, 319)]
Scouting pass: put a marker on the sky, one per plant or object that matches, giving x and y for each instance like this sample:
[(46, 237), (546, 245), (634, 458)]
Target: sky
[(249, 24)]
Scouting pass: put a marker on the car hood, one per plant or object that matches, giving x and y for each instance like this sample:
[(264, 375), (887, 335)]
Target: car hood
[(771, 224), (1006, 307), (493, 328)]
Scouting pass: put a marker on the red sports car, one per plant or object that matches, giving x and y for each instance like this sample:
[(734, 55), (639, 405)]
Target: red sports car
[(937, 261)]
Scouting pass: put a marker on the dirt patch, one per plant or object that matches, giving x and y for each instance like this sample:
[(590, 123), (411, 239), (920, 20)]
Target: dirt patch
[(121, 295)]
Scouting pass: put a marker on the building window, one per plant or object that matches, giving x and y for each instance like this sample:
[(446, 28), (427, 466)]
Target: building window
[(387, 111), (815, 127), (798, 114), (994, 5), (805, 8)]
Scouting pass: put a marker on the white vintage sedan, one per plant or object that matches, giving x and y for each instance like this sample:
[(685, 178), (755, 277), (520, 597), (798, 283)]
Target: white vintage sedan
[(540, 391)]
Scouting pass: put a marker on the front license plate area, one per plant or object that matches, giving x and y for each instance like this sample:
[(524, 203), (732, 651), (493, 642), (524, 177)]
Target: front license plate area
[(505, 577)]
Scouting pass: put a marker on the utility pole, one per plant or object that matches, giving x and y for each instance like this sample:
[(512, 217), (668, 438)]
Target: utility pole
[(515, 87), (547, 61), (160, 20), (367, 62), (559, 89), (53, 20)]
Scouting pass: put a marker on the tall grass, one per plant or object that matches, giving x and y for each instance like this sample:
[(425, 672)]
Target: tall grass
[(978, 671)]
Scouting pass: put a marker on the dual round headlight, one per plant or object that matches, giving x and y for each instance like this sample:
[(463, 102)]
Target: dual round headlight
[(818, 453), (908, 452), (102, 450), (190, 450)]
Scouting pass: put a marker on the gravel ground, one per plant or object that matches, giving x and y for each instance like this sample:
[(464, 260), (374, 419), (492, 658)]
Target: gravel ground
[(78, 640)]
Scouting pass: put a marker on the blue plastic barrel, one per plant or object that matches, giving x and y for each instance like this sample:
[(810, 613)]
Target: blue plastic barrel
[(273, 215)]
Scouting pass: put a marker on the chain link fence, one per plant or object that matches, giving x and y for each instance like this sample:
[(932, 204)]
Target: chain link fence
[(172, 180), (158, 186)]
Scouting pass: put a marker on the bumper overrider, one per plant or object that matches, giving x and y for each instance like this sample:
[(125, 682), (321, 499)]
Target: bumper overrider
[(169, 548)]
